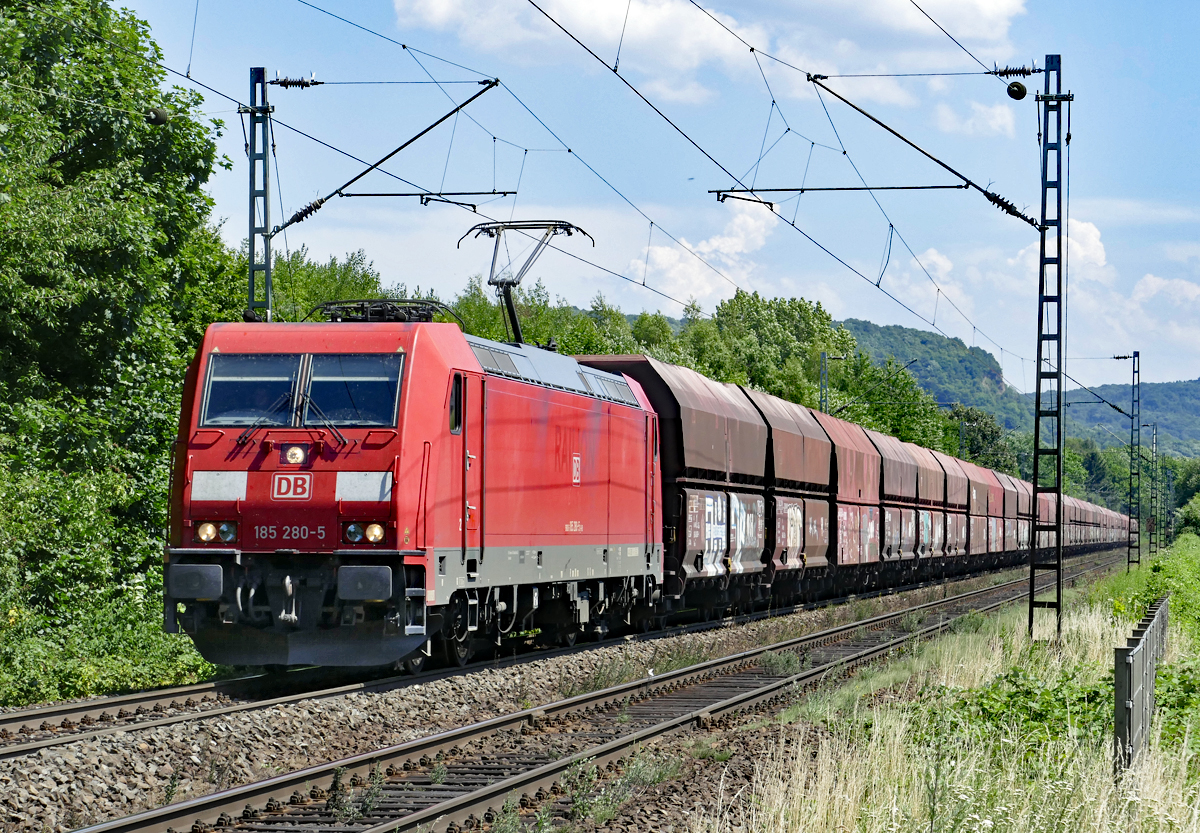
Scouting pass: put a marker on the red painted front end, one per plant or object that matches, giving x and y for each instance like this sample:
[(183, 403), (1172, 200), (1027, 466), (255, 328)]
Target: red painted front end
[(292, 492)]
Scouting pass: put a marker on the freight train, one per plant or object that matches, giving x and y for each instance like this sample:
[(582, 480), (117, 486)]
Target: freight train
[(382, 488)]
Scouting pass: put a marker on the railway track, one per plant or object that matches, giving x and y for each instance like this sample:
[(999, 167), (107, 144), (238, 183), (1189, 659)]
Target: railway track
[(459, 779), (26, 731), (29, 731)]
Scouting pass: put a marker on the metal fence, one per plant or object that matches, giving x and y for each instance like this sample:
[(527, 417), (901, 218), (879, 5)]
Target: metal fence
[(1135, 667)]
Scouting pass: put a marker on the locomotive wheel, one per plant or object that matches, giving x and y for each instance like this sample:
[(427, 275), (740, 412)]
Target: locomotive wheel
[(567, 638), (416, 665), (458, 653)]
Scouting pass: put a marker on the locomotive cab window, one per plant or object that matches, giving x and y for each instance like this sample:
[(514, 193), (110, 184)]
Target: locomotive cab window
[(353, 389), (249, 389), (456, 405)]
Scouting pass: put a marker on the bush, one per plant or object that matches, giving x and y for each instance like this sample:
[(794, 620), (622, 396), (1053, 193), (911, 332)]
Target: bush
[(1075, 706), (100, 644), (1189, 516), (1175, 572)]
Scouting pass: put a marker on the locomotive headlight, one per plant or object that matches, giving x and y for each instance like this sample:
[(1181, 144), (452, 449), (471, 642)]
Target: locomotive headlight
[(206, 532), (227, 531), (354, 533), (295, 455), (374, 533)]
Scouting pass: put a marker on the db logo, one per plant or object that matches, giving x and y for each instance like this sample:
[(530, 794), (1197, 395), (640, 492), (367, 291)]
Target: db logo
[(576, 468), (289, 486)]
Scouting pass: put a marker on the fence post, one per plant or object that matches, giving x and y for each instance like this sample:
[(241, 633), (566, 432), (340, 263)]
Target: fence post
[(1134, 668)]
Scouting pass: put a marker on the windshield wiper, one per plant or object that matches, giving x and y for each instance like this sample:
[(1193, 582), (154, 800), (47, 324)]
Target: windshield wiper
[(283, 399), (326, 421)]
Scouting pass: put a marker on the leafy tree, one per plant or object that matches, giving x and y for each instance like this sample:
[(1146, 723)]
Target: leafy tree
[(1189, 516), (109, 271), (299, 283), (948, 369), (652, 329), (984, 440), (702, 340), (1187, 481)]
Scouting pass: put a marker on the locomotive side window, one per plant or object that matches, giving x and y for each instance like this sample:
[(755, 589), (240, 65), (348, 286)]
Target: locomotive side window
[(353, 389), (249, 389), (456, 405)]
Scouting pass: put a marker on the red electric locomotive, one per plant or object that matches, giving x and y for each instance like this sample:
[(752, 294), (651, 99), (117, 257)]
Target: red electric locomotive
[(377, 487), (344, 491)]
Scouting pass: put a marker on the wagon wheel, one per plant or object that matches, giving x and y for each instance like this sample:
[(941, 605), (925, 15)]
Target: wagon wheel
[(458, 653), (567, 637)]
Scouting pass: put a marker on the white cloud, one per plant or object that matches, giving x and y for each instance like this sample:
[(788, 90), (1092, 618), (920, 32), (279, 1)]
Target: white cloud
[(937, 263), (995, 120), (1085, 243), (1088, 260), (1182, 252), (1176, 291), (669, 42), (984, 20), (677, 272)]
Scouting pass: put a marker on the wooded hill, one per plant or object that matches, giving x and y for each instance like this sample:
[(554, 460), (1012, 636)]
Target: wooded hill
[(950, 371)]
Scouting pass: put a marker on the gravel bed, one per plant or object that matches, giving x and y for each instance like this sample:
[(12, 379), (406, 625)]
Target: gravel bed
[(705, 781), (83, 783)]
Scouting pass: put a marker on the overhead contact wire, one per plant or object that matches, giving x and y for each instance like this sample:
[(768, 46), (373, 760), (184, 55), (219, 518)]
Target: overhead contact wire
[(947, 34), (711, 158), (345, 153), (638, 93), (617, 191), (567, 148), (938, 290)]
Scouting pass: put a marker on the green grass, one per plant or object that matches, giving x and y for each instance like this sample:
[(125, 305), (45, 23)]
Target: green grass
[(986, 730), (599, 800), (780, 663), (1175, 571)]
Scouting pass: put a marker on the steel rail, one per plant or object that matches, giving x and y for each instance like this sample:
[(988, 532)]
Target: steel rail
[(74, 718), (104, 709), (462, 809), (222, 808)]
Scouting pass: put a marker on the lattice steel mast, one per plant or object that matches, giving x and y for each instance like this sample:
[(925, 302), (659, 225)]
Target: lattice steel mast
[(1048, 412), (1155, 496), (258, 143), (1135, 466)]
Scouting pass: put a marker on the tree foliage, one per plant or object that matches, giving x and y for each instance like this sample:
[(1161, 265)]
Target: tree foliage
[(948, 369), (109, 271), (300, 284)]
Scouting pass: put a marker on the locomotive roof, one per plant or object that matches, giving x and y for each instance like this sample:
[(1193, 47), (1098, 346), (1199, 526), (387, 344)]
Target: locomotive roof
[(531, 363)]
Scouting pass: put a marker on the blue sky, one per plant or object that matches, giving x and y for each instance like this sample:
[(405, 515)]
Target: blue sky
[(1135, 219)]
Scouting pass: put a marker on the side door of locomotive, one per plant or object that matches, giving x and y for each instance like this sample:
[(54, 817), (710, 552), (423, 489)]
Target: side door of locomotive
[(474, 446)]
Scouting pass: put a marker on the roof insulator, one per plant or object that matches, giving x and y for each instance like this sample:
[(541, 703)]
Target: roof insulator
[(302, 83)]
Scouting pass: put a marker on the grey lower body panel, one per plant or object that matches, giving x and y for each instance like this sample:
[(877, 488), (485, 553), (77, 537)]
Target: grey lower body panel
[(364, 644), (504, 566)]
